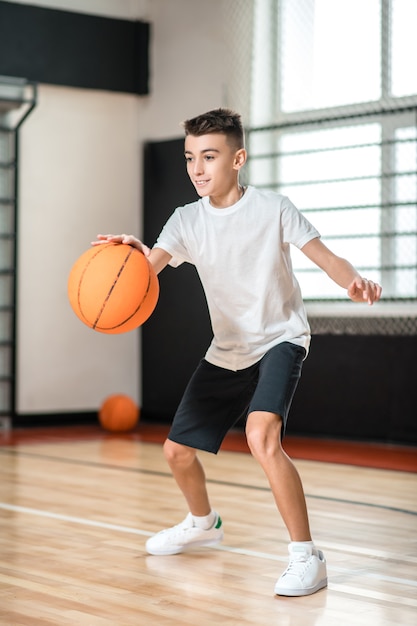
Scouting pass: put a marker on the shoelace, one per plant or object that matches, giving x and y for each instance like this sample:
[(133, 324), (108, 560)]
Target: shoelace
[(179, 528), (298, 565)]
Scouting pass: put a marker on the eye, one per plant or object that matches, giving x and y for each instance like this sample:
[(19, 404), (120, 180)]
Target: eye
[(188, 159), (209, 157)]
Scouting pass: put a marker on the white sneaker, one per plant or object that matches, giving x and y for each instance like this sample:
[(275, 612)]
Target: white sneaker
[(184, 536), (305, 574)]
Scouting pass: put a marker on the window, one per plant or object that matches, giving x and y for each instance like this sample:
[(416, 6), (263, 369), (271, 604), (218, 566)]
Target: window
[(334, 127)]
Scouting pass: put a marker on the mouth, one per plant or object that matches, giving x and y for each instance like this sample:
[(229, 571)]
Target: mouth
[(200, 183)]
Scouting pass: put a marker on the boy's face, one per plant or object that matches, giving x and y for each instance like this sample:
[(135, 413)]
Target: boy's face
[(213, 164)]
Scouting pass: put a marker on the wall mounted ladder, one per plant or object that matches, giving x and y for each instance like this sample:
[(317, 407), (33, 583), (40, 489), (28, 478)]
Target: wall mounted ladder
[(17, 100)]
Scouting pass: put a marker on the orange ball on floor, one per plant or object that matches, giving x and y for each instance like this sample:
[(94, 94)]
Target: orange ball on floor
[(118, 413), (113, 288)]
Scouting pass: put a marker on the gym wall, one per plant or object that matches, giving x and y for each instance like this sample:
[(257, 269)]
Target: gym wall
[(80, 173)]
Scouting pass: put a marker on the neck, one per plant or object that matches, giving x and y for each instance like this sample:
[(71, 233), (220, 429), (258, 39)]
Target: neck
[(229, 199)]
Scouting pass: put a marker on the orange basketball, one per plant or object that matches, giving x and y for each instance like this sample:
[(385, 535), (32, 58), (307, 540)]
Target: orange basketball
[(118, 413), (113, 288)]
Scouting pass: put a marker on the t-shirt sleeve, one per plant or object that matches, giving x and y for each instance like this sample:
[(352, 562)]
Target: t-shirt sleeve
[(296, 228), (172, 241)]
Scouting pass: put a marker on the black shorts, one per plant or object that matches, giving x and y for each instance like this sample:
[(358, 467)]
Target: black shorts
[(216, 398)]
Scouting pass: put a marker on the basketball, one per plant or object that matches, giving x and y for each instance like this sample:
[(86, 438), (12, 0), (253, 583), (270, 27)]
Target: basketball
[(113, 288), (118, 413)]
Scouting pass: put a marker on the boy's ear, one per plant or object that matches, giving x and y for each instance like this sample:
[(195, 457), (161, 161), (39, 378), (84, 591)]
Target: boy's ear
[(240, 159)]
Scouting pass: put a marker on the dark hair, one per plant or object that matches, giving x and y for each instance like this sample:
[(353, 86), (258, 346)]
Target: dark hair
[(223, 121)]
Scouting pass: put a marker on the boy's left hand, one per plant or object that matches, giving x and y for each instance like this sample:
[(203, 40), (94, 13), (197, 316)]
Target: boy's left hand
[(363, 290)]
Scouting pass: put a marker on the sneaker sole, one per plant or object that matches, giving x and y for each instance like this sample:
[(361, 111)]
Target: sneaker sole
[(181, 549), (282, 591)]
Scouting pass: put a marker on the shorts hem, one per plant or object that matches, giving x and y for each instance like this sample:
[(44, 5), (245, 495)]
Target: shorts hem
[(194, 446)]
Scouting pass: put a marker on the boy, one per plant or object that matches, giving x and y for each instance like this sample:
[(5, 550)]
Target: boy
[(238, 238)]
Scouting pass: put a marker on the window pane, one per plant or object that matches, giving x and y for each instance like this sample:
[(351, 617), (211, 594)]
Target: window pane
[(403, 47), (330, 53)]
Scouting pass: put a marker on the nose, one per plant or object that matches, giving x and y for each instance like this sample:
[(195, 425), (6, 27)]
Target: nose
[(198, 166)]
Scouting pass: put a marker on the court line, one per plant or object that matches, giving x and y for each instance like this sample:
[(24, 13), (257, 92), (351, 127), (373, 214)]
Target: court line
[(223, 483), (13, 508), (74, 520)]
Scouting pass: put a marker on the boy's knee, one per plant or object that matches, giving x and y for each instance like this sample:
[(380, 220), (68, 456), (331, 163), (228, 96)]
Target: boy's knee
[(177, 454), (263, 434)]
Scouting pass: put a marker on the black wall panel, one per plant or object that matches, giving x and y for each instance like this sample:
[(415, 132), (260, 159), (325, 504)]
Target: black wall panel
[(178, 333), (356, 387), (73, 49)]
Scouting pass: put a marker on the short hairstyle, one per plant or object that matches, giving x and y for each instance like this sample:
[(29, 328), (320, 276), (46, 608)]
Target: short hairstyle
[(223, 121)]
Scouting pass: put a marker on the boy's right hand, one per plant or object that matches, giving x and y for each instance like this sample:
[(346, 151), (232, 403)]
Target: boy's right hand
[(129, 240)]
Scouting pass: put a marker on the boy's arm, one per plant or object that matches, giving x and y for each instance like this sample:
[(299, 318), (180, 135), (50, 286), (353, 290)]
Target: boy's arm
[(342, 272), (157, 257)]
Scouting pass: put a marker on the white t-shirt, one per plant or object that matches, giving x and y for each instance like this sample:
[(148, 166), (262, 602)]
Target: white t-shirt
[(242, 255)]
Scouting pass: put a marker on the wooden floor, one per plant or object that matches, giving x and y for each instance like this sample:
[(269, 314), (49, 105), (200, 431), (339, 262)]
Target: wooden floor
[(75, 514)]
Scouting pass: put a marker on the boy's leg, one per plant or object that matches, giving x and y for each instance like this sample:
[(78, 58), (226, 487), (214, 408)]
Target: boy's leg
[(212, 401), (189, 475), (263, 432), (306, 572), (202, 526)]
